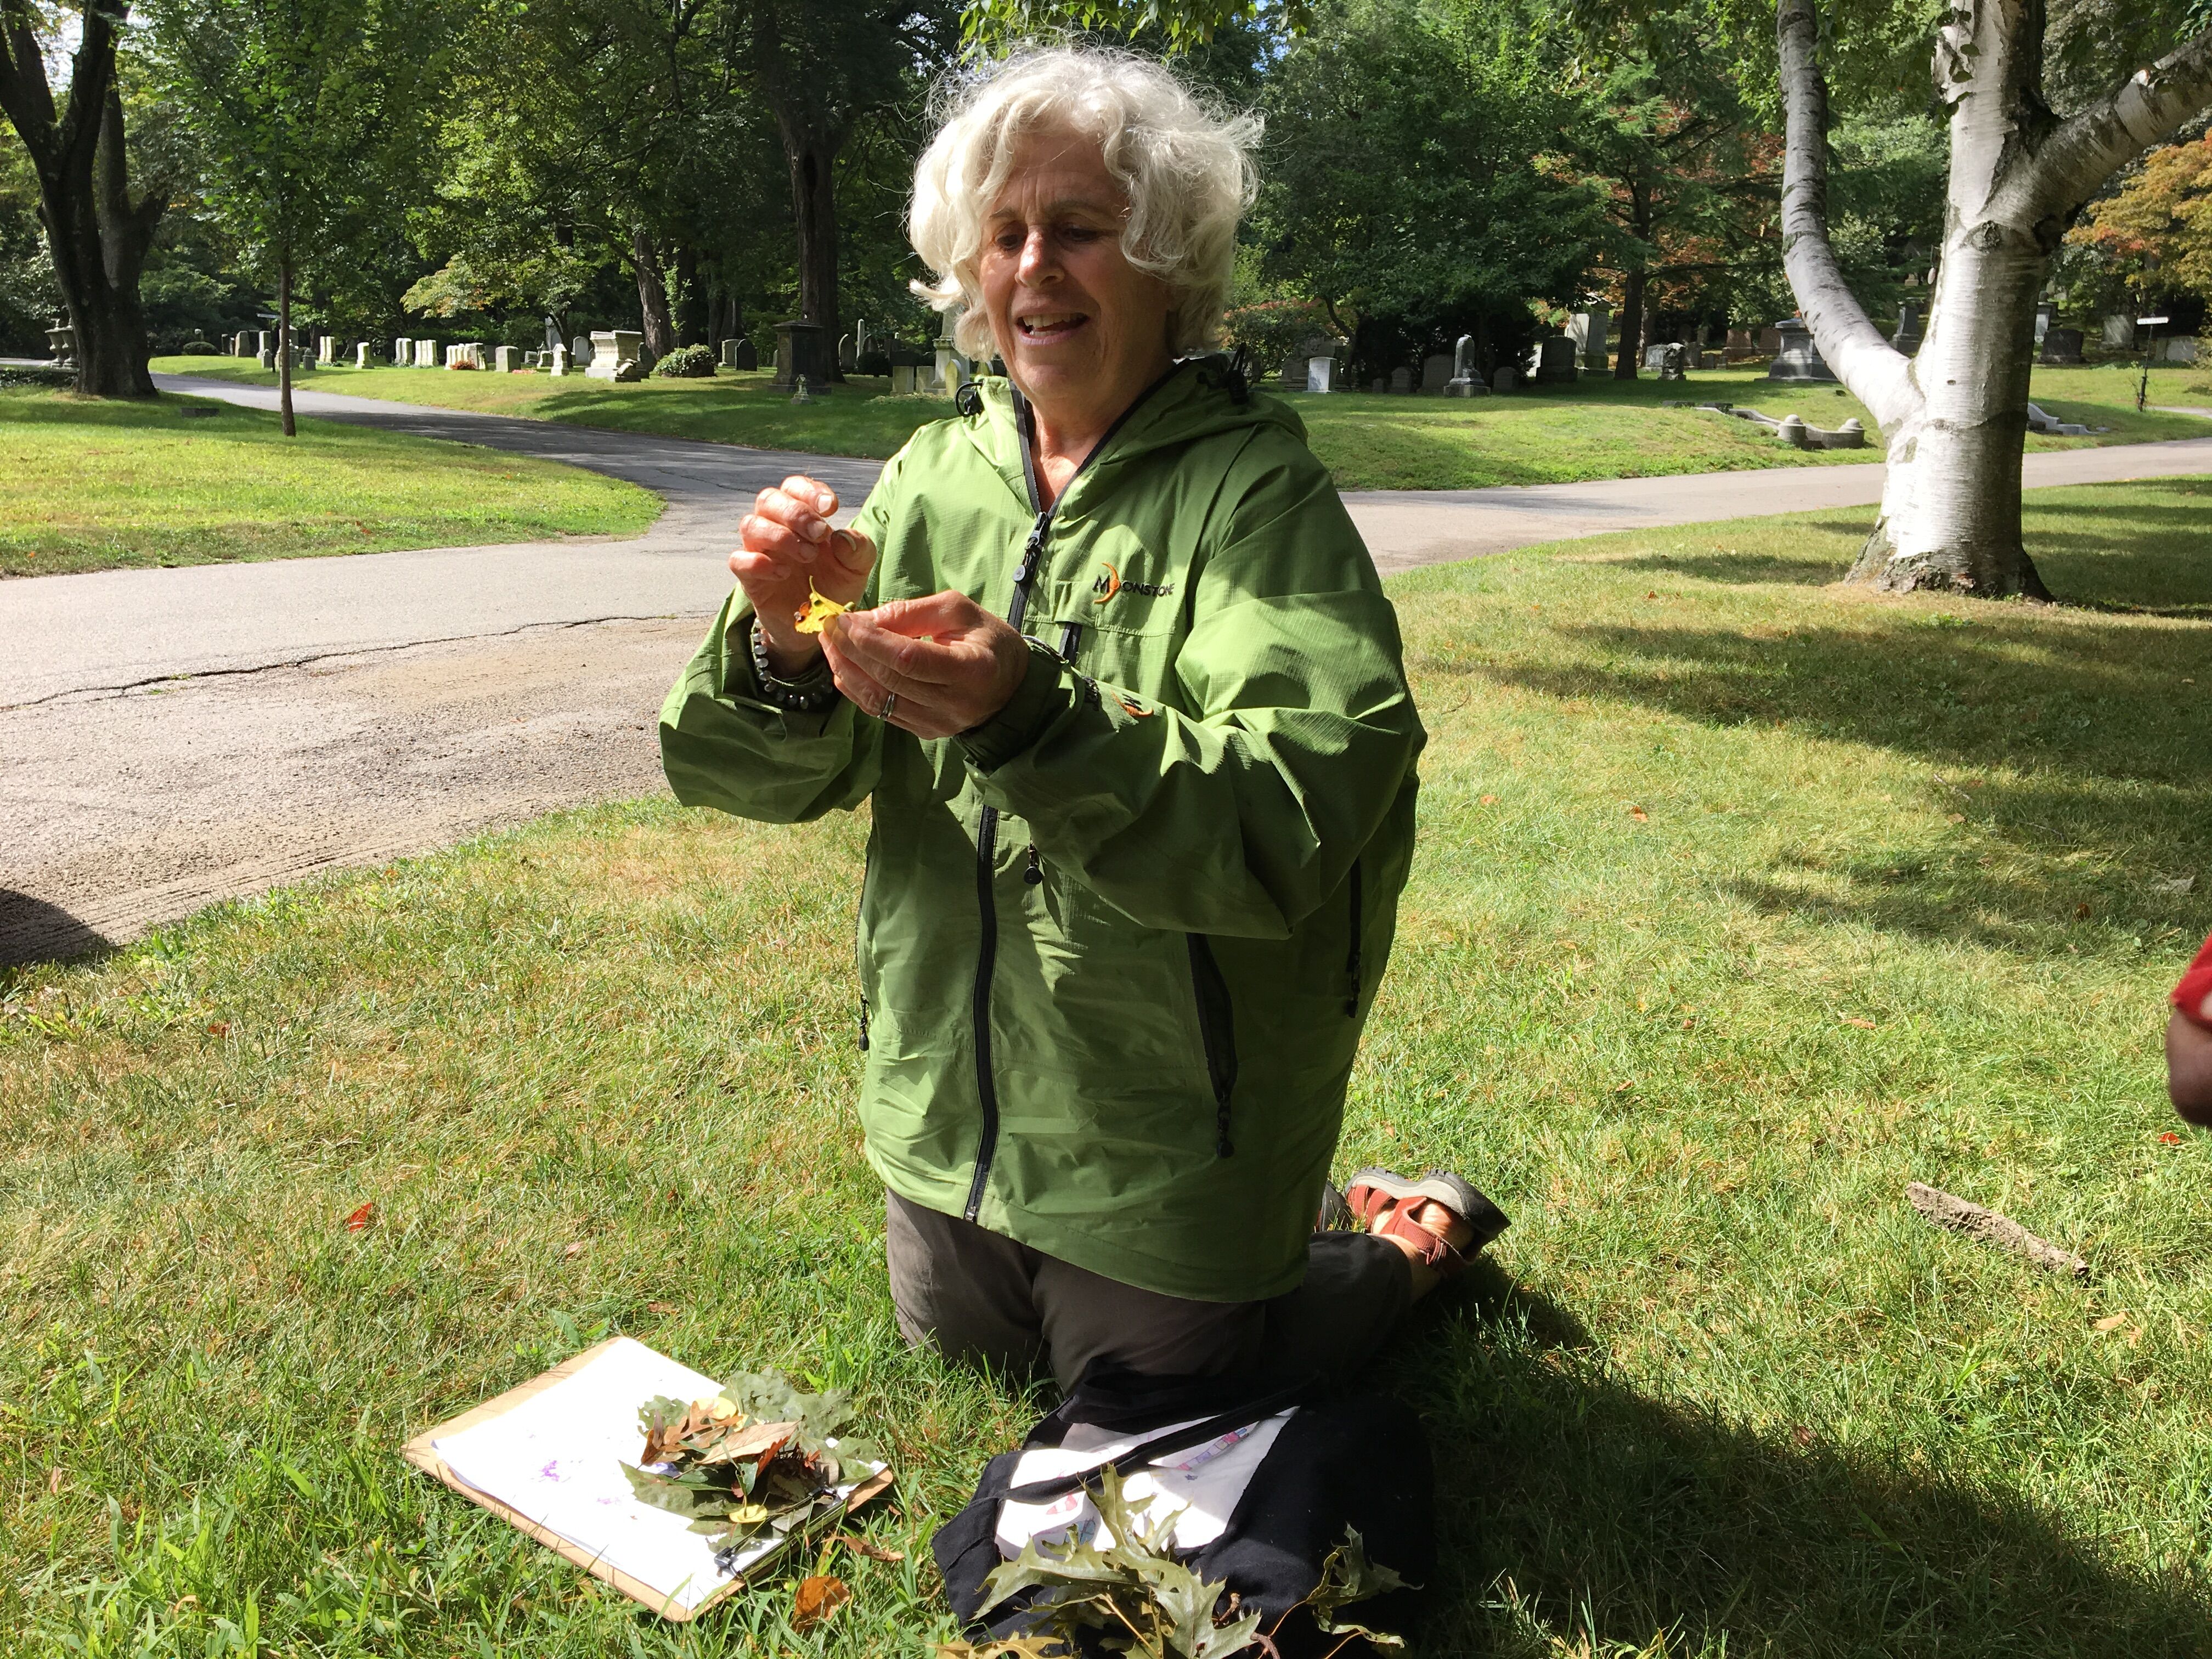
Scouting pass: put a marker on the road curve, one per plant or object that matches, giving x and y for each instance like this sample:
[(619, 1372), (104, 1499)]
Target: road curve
[(170, 738)]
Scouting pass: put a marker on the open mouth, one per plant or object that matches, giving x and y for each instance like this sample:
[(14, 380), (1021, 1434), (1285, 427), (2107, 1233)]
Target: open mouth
[(1045, 327)]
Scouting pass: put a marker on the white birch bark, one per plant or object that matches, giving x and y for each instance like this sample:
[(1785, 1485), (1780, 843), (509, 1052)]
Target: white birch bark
[(1955, 416)]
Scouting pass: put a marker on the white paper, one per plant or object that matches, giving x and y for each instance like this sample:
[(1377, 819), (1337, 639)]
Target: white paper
[(1200, 1486), (557, 1459)]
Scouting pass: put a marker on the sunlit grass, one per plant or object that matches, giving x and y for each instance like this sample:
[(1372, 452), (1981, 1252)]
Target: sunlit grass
[(100, 484), (1599, 428), (1740, 900)]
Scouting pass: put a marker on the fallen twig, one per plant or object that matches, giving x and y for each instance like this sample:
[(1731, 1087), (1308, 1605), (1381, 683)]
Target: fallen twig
[(1961, 1217)]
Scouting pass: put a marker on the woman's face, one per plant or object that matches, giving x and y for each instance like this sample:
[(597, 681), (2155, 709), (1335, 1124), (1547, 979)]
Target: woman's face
[(1082, 331)]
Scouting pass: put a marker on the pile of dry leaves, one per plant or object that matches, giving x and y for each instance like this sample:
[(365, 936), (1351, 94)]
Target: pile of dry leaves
[(759, 1460)]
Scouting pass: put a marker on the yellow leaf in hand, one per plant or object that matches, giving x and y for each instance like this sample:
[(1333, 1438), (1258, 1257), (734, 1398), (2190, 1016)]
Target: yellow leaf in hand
[(818, 610)]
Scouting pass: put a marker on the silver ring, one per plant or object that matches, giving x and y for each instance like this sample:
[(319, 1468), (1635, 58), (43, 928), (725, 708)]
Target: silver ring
[(890, 699)]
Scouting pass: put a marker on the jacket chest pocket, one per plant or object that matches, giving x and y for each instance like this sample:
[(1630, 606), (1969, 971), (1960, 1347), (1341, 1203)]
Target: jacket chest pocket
[(1124, 639)]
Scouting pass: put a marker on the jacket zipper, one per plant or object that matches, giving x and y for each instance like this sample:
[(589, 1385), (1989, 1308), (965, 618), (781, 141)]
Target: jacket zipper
[(986, 825), (1217, 1031), (1352, 961)]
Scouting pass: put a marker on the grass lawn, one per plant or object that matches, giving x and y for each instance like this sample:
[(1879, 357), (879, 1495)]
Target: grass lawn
[(1740, 900), (99, 485), (1600, 428)]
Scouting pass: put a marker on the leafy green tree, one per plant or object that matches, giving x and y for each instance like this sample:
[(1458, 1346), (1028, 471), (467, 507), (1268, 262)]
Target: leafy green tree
[(1663, 128), (97, 229), (825, 69), (305, 111), (1398, 189)]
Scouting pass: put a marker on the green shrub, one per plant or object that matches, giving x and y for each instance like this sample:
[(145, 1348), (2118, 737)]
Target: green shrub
[(36, 375), (691, 363), (872, 362), (195, 349)]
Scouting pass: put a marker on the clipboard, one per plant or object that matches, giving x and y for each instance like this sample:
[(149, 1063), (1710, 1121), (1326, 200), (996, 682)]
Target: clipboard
[(421, 1451)]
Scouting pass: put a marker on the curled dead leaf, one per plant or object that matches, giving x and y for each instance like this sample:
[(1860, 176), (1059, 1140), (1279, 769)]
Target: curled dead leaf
[(573, 1249), (817, 1599), (54, 1479), (2112, 1322), (360, 1217), (874, 1551)]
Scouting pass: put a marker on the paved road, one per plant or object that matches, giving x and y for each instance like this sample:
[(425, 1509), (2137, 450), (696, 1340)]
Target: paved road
[(168, 738)]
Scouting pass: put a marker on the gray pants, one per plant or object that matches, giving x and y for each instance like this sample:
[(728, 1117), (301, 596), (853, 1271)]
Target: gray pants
[(983, 1299)]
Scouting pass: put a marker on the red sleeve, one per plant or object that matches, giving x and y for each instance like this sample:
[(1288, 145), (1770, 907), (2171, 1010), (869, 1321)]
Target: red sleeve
[(2193, 996)]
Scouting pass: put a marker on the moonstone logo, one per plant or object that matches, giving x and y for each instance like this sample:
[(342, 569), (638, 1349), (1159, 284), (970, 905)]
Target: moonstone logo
[(1111, 583)]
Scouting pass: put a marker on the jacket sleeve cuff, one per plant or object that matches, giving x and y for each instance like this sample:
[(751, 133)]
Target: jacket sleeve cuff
[(1039, 700)]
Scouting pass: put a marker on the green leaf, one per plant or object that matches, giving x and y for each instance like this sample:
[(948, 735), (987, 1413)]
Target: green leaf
[(677, 1497)]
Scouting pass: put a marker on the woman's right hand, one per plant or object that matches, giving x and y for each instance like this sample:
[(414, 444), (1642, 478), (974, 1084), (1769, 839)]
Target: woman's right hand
[(787, 548)]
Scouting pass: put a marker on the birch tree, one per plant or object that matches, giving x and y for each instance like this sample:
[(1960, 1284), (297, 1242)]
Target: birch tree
[(1955, 416)]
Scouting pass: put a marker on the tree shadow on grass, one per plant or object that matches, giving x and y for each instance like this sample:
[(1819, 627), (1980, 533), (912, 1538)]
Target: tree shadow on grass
[(2108, 803), (1575, 1510)]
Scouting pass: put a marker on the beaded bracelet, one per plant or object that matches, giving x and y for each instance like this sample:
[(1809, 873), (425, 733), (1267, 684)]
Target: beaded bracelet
[(814, 692)]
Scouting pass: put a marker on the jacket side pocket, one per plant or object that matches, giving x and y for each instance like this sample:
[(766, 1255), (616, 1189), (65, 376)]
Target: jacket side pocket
[(1216, 1029)]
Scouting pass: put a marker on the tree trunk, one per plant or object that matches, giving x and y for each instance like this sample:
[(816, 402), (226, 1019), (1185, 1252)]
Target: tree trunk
[(96, 234), (284, 346), (1955, 416), (1632, 324), (652, 297), (814, 210), (691, 316)]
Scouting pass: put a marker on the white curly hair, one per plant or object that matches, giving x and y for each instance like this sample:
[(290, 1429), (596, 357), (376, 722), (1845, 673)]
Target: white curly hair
[(1185, 165)]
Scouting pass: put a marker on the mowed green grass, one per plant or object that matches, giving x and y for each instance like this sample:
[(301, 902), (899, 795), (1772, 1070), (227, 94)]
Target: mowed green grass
[(1742, 900), (1596, 428), (99, 485)]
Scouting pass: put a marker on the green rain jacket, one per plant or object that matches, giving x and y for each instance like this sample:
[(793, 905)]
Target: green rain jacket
[(1116, 944)]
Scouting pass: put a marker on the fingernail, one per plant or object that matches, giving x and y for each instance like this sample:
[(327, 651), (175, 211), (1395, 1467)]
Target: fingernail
[(816, 529), (825, 500)]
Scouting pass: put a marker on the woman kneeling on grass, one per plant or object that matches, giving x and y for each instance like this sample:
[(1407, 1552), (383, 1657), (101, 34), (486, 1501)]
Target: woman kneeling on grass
[(1126, 696)]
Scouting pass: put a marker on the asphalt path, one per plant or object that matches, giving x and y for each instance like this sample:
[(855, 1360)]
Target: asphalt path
[(170, 738)]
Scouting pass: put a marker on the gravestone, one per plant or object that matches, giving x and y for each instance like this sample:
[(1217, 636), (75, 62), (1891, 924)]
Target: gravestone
[(403, 352), (426, 354), (799, 393), (2045, 313), (502, 359), (1435, 374), (1505, 377), (848, 353), (2181, 348), (263, 342), (1554, 361), (1908, 336), (1465, 382), (557, 360), (730, 352), (2119, 333), (1402, 379), (1799, 359), (1740, 346), (748, 356), (1320, 373), (267, 359), (1588, 329), (1769, 341), (902, 379), (361, 354), (615, 354), (327, 349), (1669, 361), (552, 336), (579, 352), (2062, 345), (952, 368), (802, 352)]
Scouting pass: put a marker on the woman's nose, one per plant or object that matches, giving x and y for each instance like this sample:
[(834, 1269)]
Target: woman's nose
[(1037, 259)]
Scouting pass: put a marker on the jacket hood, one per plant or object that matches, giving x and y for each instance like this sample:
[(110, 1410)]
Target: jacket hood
[(1198, 398)]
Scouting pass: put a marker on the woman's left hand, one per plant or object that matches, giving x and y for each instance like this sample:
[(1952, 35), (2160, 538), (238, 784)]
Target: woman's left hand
[(944, 663)]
